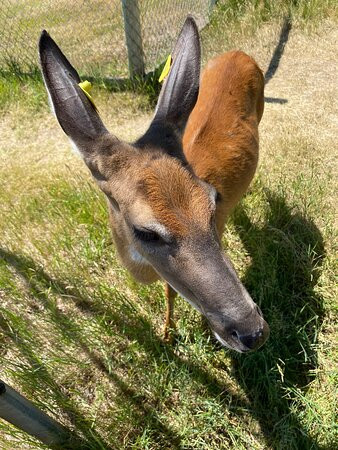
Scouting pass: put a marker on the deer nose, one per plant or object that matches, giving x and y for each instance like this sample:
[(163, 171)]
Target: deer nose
[(254, 340)]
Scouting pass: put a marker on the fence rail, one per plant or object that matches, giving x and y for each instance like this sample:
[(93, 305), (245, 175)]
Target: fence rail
[(102, 37), (20, 412)]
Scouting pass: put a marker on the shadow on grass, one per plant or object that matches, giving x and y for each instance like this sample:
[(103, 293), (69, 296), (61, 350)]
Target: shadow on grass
[(279, 49), (286, 253), (42, 376), (276, 58), (39, 284), (135, 326), (280, 101), (286, 256)]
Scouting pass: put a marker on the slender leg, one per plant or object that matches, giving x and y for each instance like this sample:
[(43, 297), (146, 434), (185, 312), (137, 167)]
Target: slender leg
[(169, 317)]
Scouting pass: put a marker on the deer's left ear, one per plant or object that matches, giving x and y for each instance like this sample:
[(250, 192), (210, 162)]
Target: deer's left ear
[(74, 111), (180, 89)]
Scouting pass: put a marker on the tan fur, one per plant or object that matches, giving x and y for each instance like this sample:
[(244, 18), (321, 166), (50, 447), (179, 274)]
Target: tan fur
[(155, 190), (176, 199), (221, 137)]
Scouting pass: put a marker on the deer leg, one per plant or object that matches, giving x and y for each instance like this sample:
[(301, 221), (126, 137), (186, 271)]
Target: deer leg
[(170, 295)]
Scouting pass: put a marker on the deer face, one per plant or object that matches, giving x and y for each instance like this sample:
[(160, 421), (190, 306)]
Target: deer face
[(162, 214), (171, 227)]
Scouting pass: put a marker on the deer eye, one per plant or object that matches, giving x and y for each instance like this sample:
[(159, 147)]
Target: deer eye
[(146, 235)]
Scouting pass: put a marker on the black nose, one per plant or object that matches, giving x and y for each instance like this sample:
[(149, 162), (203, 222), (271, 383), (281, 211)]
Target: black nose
[(254, 340)]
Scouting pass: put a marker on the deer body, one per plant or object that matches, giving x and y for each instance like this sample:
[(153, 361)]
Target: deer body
[(164, 214), (221, 138)]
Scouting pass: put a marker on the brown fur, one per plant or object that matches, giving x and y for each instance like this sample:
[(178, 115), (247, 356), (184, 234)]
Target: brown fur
[(155, 190), (175, 197), (221, 137)]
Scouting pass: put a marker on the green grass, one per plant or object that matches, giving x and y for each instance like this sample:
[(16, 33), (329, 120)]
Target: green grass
[(306, 12), (233, 20), (27, 91), (84, 342)]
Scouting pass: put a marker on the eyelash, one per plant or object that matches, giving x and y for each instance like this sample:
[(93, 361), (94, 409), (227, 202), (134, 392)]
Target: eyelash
[(146, 236)]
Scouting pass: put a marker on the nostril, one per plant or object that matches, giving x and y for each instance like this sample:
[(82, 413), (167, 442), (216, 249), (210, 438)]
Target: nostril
[(234, 334), (254, 340), (248, 340)]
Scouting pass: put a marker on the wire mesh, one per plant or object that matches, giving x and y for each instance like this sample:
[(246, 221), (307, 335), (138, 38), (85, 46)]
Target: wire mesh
[(161, 23), (92, 33)]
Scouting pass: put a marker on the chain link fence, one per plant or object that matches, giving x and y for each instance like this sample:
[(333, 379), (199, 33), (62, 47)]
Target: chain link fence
[(102, 38)]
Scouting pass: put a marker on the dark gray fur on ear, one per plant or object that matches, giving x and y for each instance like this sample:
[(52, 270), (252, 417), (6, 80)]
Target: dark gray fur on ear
[(74, 111), (180, 89)]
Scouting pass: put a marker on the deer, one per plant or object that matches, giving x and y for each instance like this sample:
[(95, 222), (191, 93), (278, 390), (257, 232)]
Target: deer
[(170, 192)]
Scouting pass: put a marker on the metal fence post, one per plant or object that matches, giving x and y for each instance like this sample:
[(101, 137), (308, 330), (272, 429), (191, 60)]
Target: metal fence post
[(132, 29), (17, 410)]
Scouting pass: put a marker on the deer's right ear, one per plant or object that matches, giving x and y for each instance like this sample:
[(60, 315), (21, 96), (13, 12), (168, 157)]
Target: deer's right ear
[(180, 89), (74, 111)]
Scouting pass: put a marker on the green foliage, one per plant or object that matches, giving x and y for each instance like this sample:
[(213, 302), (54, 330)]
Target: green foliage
[(23, 91), (264, 10)]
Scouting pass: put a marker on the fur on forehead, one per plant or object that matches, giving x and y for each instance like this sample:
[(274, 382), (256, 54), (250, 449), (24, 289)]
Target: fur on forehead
[(177, 199)]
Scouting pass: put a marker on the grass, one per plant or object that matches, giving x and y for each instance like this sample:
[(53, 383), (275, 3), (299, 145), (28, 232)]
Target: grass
[(94, 28), (84, 342), (82, 27)]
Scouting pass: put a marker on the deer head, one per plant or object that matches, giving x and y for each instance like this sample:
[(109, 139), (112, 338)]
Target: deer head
[(162, 214)]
